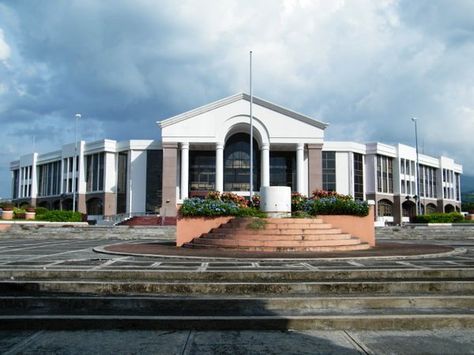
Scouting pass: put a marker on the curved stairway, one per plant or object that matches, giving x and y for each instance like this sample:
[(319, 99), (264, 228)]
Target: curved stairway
[(278, 234)]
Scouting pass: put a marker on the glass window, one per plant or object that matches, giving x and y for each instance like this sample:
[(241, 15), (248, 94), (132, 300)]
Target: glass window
[(384, 208), (329, 171), (154, 164), (95, 172), (122, 182), (202, 170), (283, 169), (358, 177), (237, 164)]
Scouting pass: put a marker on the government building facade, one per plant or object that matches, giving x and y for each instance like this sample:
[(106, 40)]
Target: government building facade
[(208, 149)]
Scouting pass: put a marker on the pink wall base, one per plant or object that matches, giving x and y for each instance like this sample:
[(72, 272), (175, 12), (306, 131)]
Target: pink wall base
[(360, 227), (4, 227)]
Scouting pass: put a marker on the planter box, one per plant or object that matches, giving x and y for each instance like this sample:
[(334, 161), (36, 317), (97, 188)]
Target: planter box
[(7, 215), (360, 227), (30, 215), (188, 228)]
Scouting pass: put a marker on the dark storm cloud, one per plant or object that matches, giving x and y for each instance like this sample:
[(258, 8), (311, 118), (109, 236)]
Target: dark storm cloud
[(366, 67)]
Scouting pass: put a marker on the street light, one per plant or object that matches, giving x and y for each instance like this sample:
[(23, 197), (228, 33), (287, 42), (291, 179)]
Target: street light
[(417, 168), (251, 132), (74, 163)]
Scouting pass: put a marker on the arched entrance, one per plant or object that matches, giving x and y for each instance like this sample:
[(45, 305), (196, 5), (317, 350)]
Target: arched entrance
[(95, 206), (237, 163), (44, 204), (56, 205), (67, 204), (430, 208), (385, 208), (449, 208), (409, 209)]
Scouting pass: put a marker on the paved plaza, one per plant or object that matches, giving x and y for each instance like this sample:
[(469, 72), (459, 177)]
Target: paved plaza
[(78, 254)]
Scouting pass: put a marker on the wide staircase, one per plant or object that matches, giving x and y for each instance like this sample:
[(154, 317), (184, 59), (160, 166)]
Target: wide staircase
[(371, 299), (278, 235)]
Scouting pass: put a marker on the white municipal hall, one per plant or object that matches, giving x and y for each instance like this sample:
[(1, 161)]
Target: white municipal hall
[(208, 149)]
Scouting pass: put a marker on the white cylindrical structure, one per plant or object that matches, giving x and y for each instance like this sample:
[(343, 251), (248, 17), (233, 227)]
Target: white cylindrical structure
[(300, 168), (219, 167), (275, 201), (265, 167), (184, 170)]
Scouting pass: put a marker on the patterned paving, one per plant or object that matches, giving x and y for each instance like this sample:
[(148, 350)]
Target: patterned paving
[(79, 255)]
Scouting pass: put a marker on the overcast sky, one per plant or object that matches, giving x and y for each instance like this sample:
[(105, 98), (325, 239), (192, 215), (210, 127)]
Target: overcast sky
[(364, 66)]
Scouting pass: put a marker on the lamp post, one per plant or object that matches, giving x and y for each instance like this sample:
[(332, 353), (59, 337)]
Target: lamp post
[(251, 132), (74, 163), (417, 168)]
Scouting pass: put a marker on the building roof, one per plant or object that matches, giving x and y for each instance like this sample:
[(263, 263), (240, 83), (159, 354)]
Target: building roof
[(241, 96)]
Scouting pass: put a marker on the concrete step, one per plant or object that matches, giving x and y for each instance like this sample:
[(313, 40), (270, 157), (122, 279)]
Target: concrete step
[(278, 235), (246, 276), (319, 322), (317, 236), (274, 243), (239, 288), (275, 229), (206, 306), (272, 232), (285, 248)]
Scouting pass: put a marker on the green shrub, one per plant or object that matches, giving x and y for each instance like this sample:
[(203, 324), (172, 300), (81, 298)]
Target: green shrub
[(297, 201), (7, 206), (208, 207), (250, 212), (453, 217), (18, 213), (60, 216), (41, 210), (336, 206), (211, 207), (301, 214), (257, 224)]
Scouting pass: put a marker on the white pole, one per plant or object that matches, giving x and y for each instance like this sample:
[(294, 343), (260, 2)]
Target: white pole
[(74, 163), (251, 132)]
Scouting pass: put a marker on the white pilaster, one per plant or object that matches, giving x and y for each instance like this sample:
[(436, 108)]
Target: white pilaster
[(219, 167), (265, 167), (184, 170), (300, 168)]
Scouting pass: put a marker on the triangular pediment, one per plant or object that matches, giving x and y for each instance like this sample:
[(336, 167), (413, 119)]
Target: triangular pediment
[(234, 98)]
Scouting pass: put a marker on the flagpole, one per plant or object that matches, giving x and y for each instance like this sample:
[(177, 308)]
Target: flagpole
[(251, 132)]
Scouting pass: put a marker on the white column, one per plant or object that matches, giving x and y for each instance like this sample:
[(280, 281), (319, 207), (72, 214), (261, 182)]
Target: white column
[(184, 170), (219, 167), (265, 167), (300, 168)]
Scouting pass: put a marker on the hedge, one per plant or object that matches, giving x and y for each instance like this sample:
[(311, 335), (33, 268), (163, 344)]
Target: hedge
[(453, 217), (60, 216)]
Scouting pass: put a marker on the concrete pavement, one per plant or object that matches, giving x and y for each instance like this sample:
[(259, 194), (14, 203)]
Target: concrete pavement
[(77, 254), (237, 342)]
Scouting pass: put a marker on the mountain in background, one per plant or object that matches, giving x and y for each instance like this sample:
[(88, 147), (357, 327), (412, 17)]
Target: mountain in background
[(467, 184), (467, 188)]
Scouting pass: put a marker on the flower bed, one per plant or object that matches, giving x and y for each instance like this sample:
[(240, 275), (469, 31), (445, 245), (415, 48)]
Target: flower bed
[(327, 203), (216, 204)]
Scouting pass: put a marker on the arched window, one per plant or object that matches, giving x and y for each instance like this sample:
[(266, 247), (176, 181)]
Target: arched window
[(385, 208), (409, 209), (430, 208), (237, 164), (449, 208)]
